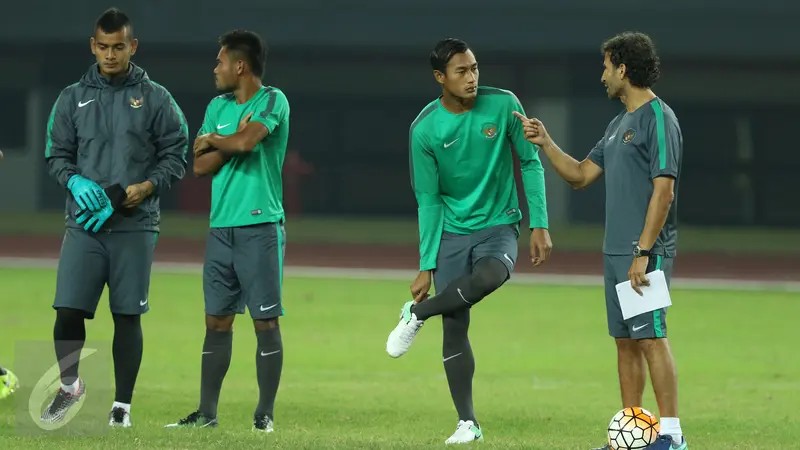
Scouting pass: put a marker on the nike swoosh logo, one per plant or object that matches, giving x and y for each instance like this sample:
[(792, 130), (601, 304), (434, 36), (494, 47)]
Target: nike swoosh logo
[(207, 353), (82, 104), (219, 127), (451, 143), (451, 357), (639, 328), (143, 303), (268, 307), (462, 296), (270, 353), (505, 255)]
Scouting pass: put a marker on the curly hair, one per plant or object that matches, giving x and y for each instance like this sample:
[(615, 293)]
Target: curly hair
[(638, 53)]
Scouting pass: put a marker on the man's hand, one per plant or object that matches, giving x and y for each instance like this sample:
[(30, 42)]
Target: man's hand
[(534, 130), (243, 123), (637, 273), (87, 194), (421, 286), (136, 193), (201, 145), (94, 220), (541, 245)]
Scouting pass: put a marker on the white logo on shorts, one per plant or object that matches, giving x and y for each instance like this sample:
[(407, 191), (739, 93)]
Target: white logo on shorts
[(635, 328), (508, 258), (268, 307), (143, 302)]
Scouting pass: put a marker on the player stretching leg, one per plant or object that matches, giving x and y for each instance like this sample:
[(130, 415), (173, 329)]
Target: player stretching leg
[(462, 176), (8, 383), (641, 155), (129, 132), (243, 144)]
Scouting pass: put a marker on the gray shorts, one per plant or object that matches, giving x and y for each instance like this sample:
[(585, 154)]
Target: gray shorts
[(458, 253), (244, 267), (89, 261), (645, 326)]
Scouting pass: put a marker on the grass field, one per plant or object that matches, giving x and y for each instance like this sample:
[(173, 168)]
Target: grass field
[(399, 231), (546, 371)]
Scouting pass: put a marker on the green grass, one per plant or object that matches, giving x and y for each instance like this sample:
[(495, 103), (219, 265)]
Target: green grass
[(336, 230), (545, 379)]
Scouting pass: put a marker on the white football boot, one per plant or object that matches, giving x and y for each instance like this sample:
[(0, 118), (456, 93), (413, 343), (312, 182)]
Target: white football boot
[(402, 336), (466, 432), (119, 417)]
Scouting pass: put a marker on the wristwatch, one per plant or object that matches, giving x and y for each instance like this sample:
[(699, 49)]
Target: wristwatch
[(638, 252)]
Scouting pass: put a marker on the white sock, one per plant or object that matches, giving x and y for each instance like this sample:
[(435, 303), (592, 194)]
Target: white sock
[(70, 388), (125, 406), (672, 426)]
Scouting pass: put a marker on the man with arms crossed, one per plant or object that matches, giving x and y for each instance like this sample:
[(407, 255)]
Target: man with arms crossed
[(640, 154), (242, 144), (113, 128), (462, 173)]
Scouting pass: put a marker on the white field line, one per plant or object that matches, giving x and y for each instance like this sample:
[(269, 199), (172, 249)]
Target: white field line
[(407, 275)]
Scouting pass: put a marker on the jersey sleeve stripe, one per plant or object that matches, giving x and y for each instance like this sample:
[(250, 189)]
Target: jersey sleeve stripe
[(660, 134), (270, 104)]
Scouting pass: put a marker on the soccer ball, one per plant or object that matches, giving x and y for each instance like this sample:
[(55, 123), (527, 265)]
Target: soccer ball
[(633, 429)]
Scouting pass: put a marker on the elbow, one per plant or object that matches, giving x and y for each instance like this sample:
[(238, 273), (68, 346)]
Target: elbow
[(578, 185), (248, 146), (199, 170), (244, 144), (667, 198)]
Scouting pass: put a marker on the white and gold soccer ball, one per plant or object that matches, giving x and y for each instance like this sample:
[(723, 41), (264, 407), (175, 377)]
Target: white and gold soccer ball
[(633, 429)]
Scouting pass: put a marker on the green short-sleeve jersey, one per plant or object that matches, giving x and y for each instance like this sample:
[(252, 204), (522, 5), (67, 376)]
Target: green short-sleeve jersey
[(249, 189)]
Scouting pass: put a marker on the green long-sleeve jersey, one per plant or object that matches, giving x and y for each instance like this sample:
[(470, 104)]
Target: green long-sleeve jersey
[(462, 169)]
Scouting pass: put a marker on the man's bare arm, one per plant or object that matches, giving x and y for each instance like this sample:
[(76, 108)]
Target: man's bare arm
[(243, 141), (209, 163), (657, 211), (579, 174)]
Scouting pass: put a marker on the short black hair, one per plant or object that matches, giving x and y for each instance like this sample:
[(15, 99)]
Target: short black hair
[(638, 52), (249, 46), (444, 51), (113, 20)]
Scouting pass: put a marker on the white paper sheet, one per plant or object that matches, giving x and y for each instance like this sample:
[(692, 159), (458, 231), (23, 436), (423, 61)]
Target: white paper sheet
[(655, 296)]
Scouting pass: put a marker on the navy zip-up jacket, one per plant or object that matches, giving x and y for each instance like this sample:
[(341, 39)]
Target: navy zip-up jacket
[(123, 132)]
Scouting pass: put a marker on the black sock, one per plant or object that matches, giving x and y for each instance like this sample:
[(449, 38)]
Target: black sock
[(69, 335), (127, 350), (217, 350), (459, 363), (269, 364), (488, 275)]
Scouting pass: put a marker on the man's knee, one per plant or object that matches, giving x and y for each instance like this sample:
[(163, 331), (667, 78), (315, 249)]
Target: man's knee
[(71, 316), (265, 324), (489, 274), (127, 322), (219, 324), (652, 346), (70, 325), (627, 345)]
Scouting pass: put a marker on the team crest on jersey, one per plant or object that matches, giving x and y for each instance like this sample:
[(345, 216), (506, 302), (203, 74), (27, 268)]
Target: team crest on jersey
[(628, 136), (136, 103), (489, 130)]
